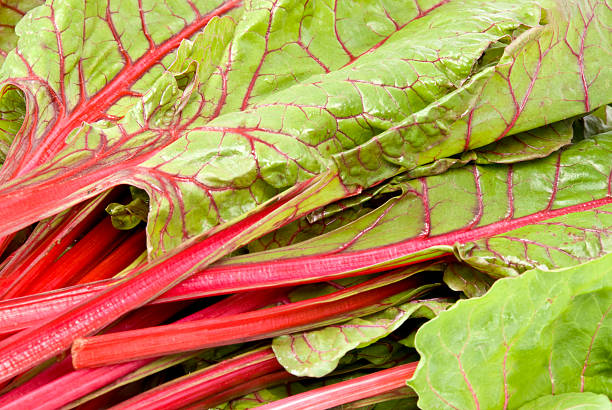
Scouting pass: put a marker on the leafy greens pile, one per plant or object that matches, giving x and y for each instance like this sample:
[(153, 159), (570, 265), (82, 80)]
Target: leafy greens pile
[(349, 171)]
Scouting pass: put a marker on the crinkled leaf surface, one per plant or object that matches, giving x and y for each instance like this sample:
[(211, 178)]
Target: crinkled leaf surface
[(536, 143), (215, 136), (12, 106), (545, 332), (11, 11), (317, 353), (302, 230), (502, 219), (566, 401), (549, 73)]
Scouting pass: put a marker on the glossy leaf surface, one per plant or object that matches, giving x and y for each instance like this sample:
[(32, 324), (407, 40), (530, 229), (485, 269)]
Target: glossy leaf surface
[(234, 103)]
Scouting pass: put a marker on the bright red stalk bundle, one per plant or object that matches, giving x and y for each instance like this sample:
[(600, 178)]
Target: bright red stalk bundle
[(361, 299), (75, 384), (347, 391)]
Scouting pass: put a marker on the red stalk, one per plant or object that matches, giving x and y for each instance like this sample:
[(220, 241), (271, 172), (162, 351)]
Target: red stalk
[(84, 255), (347, 391), (253, 385), (47, 243), (27, 348), (26, 382), (206, 382), (216, 280), (78, 383), (231, 276), (118, 260), (358, 300), (148, 316)]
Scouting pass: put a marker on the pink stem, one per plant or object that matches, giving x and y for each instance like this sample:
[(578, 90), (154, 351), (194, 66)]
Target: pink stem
[(79, 259), (78, 383), (209, 381), (365, 298), (347, 391), (26, 349), (250, 386), (20, 313)]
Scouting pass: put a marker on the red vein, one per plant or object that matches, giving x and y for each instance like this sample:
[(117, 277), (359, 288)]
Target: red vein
[(247, 95), (383, 41), (93, 109), (13, 8), (586, 359)]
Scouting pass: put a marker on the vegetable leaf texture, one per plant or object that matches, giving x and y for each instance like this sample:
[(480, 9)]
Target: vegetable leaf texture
[(203, 112), (545, 332)]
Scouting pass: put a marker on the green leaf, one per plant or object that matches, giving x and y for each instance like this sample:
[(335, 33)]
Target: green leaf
[(586, 401), (11, 11), (490, 216), (463, 278), (316, 353), (541, 333), (215, 149), (128, 216), (302, 230), (12, 114), (537, 143), (520, 93), (264, 396)]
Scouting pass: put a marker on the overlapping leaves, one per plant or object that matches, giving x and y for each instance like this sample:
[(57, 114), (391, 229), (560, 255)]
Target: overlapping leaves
[(245, 124), (546, 332), (501, 219)]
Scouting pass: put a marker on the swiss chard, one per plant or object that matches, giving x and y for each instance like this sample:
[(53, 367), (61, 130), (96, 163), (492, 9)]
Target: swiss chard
[(273, 129), (277, 142)]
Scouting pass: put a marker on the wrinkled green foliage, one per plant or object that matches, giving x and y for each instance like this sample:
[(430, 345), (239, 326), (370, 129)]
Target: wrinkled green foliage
[(317, 353), (542, 333), (11, 11), (232, 123), (128, 216), (463, 278), (427, 132), (513, 96), (489, 216)]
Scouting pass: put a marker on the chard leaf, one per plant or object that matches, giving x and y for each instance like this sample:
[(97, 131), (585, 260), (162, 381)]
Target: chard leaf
[(302, 230), (12, 105), (517, 94), (128, 216), (214, 149), (12, 114), (586, 401), (545, 332), (316, 353), (567, 193), (463, 278), (598, 122), (532, 144), (264, 396)]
